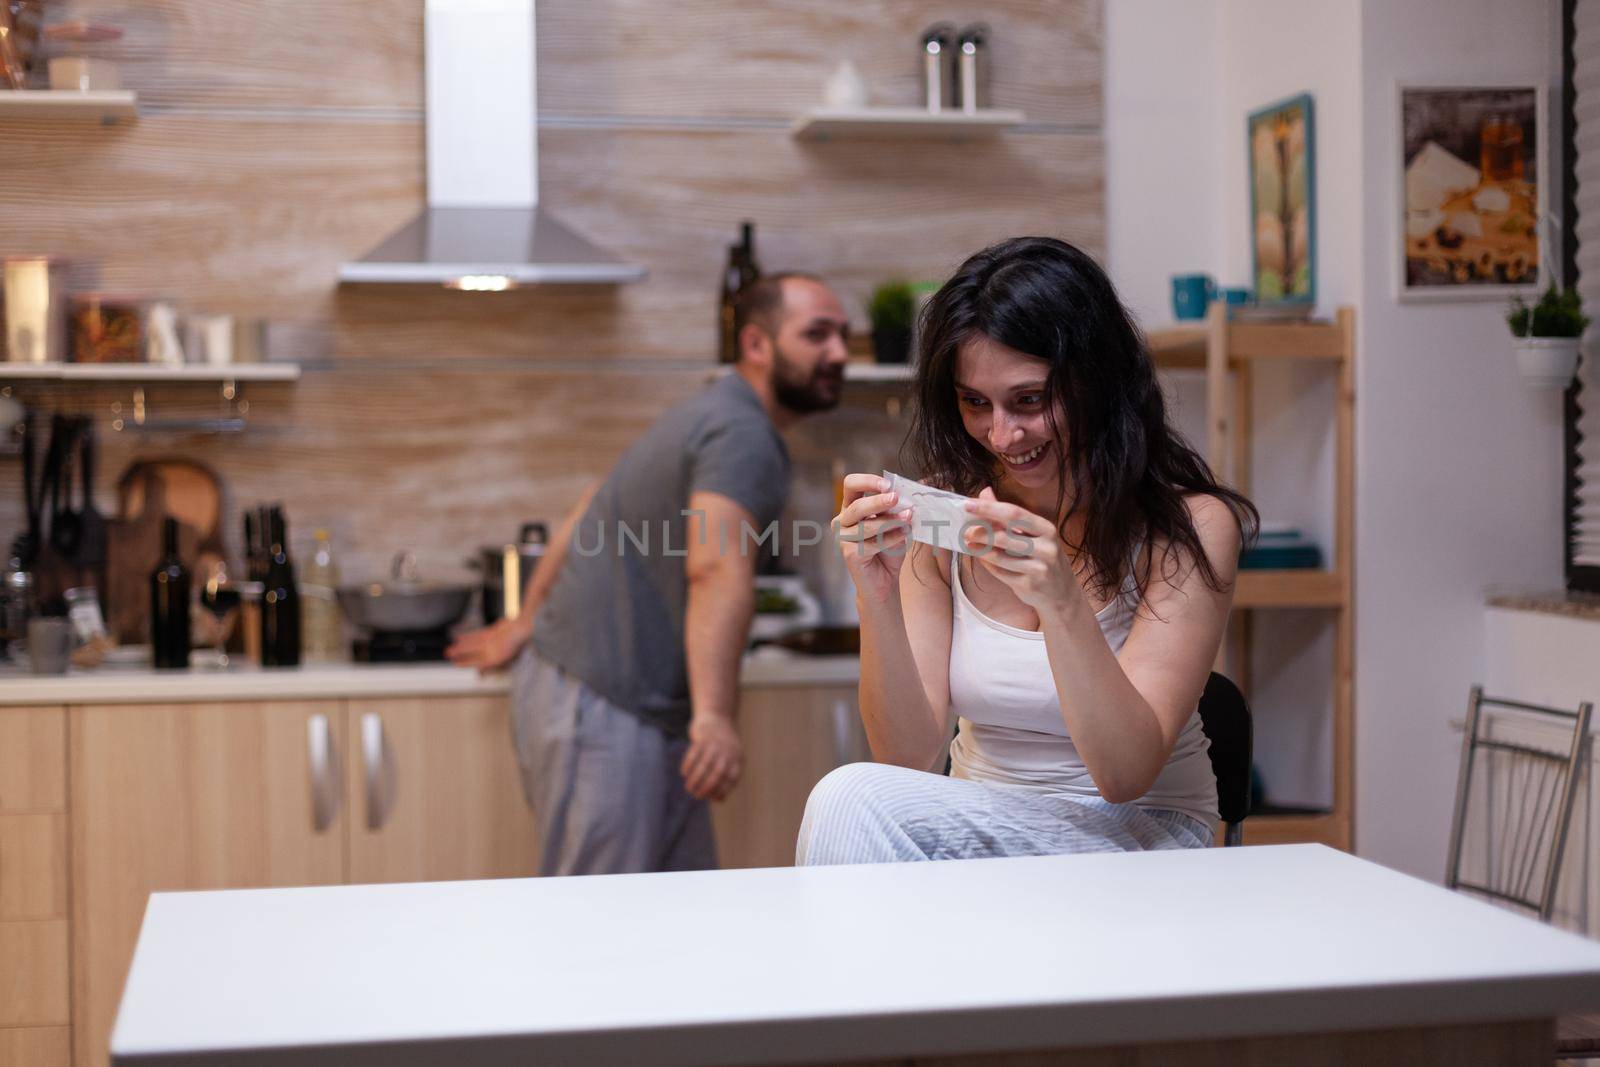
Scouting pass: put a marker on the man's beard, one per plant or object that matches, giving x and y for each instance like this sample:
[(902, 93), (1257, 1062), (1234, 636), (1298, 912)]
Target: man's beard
[(802, 392)]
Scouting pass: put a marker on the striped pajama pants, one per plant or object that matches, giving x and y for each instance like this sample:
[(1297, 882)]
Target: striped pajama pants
[(876, 813)]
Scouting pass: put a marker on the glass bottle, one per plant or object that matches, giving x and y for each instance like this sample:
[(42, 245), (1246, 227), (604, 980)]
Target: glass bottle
[(319, 604), (169, 605), (280, 599)]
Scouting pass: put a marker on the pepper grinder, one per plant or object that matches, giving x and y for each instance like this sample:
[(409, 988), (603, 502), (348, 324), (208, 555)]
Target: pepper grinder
[(938, 66), (973, 43)]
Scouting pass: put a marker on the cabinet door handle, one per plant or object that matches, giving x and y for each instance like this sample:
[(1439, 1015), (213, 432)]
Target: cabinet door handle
[(380, 770), (325, 785), (844, 747)]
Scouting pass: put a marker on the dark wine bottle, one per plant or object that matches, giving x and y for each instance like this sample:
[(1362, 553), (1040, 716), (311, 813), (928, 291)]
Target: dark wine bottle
[(741, 270), (749, 269), (169, 605), (727, 343), (280, 599)]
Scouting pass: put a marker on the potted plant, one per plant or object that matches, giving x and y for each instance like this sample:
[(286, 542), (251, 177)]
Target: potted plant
[(1546, 337), (891, 310)]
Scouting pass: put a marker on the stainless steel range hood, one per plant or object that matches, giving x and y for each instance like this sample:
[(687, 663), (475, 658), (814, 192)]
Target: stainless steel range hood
[(484, 227)]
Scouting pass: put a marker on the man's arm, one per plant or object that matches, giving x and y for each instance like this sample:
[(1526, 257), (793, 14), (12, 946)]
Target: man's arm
[(495, 646), (722, 600), (548, 569)]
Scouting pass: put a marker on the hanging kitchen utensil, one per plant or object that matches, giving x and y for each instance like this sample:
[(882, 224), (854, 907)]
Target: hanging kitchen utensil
[(26, 546), (54, 570), (65, 528), (91, 524)]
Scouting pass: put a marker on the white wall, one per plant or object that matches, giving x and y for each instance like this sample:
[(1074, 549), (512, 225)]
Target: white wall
[(1180, 79), (1459, 466), (1163, 161)]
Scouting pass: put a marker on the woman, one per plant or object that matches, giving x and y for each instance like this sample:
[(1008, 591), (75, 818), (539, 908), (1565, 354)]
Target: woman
[(1073, 644)]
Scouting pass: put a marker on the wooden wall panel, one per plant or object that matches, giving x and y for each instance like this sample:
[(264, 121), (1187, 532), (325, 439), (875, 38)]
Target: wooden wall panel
[(263, 53), (711, 57), (279, 140), (600, 57), (237, 216)]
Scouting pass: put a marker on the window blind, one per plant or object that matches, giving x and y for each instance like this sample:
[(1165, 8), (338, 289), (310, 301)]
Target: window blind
[(1585, 527)]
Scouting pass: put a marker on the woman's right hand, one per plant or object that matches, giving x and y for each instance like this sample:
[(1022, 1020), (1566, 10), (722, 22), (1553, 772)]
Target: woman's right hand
[(491, 647), (873, 532)]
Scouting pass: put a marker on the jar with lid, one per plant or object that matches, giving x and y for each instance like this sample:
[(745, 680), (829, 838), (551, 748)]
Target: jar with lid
[(107, 329)]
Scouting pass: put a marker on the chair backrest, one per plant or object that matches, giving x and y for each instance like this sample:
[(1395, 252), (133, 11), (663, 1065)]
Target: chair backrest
[(1525, 758), (1225, 718)]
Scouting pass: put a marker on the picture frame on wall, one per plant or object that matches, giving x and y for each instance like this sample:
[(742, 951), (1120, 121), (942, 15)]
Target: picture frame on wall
[(1472, 189), (1281, 141)]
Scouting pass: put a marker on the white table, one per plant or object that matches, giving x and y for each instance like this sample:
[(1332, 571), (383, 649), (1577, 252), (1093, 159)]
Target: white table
[(830, 964)]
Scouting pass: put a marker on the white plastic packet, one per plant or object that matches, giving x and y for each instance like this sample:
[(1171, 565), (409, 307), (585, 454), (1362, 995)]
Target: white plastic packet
[(937, 515)]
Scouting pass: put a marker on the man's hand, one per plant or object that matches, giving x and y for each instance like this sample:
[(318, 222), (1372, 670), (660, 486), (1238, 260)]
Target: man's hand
[(492, 647), (715, 760)]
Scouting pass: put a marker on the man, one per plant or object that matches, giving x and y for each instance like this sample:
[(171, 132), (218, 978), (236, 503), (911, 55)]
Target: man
[(623, 701)]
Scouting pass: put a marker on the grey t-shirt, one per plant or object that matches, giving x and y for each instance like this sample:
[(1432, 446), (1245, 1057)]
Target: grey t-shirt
[(615, 616)]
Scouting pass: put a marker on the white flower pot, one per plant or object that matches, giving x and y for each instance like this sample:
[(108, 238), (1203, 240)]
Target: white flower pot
[(1547, 362)]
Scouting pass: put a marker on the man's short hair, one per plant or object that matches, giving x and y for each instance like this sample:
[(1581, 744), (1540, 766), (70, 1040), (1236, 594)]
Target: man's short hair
[(761, 303)]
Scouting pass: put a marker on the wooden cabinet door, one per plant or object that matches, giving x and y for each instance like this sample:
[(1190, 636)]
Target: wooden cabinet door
[(792, 737), (34, 980), (433, 791), (190, 796)]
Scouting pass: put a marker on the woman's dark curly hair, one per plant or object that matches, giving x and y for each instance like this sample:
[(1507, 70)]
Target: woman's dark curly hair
[(1132, 470)]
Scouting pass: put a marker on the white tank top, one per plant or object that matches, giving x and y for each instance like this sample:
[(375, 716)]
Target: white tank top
[(1010, 728)]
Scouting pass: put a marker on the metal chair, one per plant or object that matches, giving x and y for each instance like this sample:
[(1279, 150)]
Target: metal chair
[(1527, 795), (1225, 718)]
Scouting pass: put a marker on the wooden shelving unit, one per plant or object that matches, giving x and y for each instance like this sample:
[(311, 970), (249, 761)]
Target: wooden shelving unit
[(903, 122), (104, 106), (1228, 352)]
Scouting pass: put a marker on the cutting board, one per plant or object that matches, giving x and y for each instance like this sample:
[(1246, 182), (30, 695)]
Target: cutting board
[(147, 493)]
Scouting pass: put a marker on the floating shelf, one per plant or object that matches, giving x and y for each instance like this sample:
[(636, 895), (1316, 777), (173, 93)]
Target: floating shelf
[(105, 106), (879, 372), (902, 122), (149, 372)]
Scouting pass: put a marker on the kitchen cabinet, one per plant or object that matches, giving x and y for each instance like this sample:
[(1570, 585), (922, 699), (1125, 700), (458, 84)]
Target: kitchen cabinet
[(35, 980), (189, 796), (792, 737), (121, 791), (241, 794), (433, 792)]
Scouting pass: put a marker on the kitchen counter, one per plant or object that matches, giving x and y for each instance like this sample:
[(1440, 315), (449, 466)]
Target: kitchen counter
[(833, 963), (141, 685)]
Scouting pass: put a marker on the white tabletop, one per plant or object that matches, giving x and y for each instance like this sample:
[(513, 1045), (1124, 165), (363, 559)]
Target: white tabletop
[(785, 965)]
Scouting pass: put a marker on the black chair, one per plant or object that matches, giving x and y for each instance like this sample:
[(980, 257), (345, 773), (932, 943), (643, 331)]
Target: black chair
[(1225, 718)]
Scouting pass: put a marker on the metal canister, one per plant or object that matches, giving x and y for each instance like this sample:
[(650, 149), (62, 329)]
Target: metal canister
[(938, 66), (973, 47), (35, 310)]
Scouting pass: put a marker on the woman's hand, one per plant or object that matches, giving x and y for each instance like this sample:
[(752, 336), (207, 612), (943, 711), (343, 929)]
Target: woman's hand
[(491, 647), (872, 531), (1024, 551)]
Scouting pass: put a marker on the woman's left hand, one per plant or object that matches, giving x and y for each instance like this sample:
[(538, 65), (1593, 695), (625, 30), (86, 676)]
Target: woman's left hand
[(1023, 550)]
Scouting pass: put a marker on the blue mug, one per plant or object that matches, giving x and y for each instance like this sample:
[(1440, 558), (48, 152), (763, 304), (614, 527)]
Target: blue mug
[(1190, 295), (1235, 297)]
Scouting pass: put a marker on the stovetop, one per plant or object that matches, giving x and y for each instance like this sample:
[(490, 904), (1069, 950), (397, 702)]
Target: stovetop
[(424, 647)]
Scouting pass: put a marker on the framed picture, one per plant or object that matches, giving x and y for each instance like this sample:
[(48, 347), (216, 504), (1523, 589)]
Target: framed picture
[(1283, 202), (1471, 192)]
